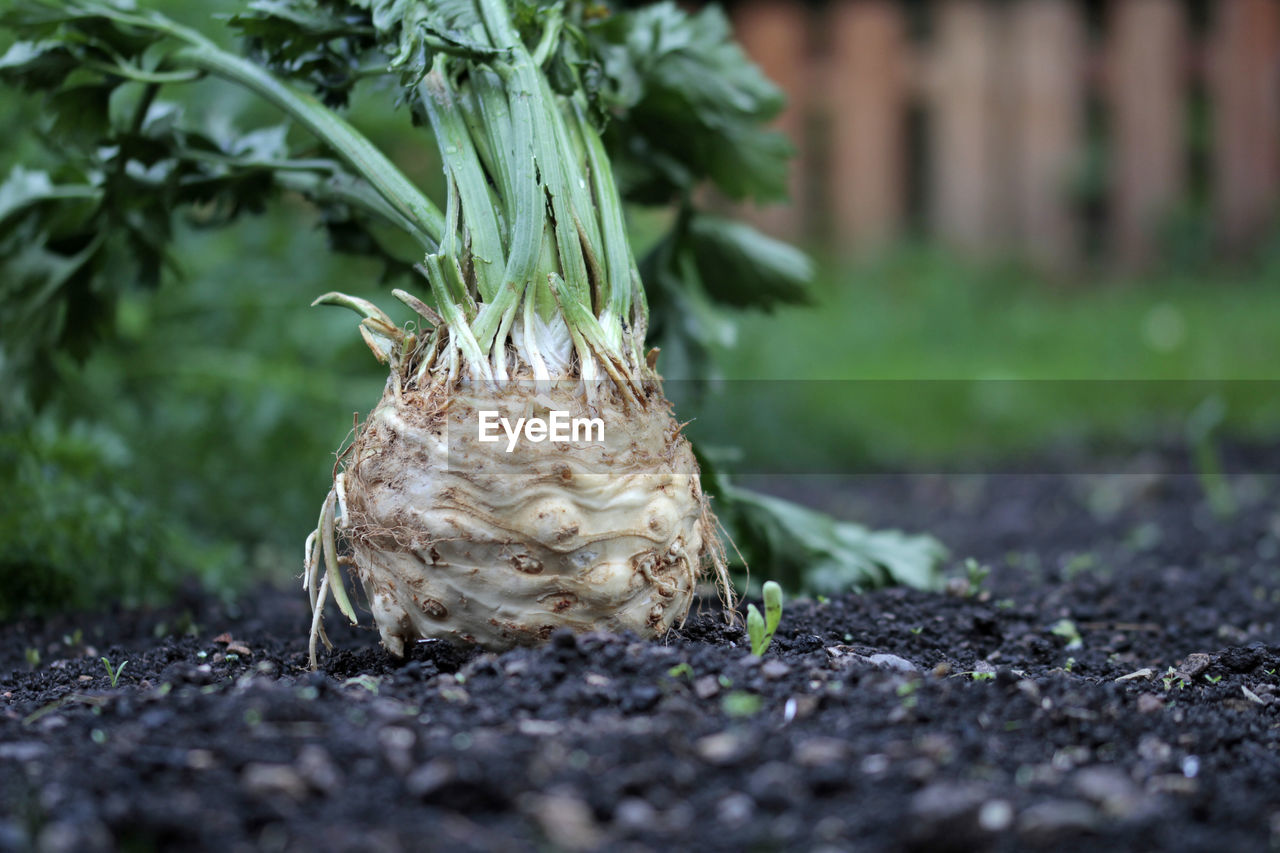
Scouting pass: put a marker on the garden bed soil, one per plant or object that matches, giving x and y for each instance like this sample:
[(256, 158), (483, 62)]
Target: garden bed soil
[(1112, 685)]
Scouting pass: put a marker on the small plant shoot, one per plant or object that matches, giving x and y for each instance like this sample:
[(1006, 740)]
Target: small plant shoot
[(760, 628), (113, 673)]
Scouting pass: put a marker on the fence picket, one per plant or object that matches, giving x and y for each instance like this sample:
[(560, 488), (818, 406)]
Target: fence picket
[(867, 99), (967, 201), (1146, 86), (1246, 86), (774, 34), (1046, 103)]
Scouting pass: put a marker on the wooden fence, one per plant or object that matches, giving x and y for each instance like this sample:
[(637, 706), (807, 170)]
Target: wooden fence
[(977, 121)]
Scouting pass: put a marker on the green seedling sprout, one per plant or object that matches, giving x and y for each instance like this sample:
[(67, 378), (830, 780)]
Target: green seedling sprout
[(1067, 630), (761, 628), (114, 674), (976, 573), (741, 704), (681, 669)]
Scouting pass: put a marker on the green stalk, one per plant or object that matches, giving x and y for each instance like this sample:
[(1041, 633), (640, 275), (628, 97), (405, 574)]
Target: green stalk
[(460, 158), (348, 143)]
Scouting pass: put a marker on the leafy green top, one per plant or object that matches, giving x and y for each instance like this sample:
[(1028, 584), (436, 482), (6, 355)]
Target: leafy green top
[(677, 103)]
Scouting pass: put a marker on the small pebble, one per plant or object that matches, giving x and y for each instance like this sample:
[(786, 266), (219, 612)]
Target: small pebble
[(735, 809), (706, 687), (634, 813), (1150, 703), (995, 815), (1109, 788), (273, 780), (429, 778), (1054, 819), (892, 662), (774, 670), (722, 748), (817, 751)]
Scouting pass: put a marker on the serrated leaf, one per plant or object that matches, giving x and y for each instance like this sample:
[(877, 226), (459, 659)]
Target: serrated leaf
[(687, 105), (810, 552)]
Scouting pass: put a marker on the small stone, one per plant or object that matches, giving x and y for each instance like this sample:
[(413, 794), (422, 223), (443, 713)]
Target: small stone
[(539, 728), (273, 780), (984, 667), (947, 813), (995, 815), (429, 778), (1151, 748), (735, 809), (875, 764), (774, 785), (706, 687), (892, 662), (1109, 788), (397, 746), (565, 818), (1193, 665), (563, 638), (200, 759), (634, 813), (74, 837), (805, 706), (317, 769), (722, 748), (1057, 818), (774, 670), (28, 750), (1150, 703)]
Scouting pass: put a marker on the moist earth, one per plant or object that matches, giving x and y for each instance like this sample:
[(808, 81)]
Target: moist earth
[(1110, 685)]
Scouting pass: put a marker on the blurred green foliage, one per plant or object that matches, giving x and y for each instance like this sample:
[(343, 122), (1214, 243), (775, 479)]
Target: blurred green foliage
[(922, 314)]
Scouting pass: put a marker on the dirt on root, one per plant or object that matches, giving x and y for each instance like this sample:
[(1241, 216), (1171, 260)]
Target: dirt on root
[(1112, 685)]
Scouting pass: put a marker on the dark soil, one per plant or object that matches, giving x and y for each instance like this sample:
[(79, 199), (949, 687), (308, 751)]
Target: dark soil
[(1113, 685)]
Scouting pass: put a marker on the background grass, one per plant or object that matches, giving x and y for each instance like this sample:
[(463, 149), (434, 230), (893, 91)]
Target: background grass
[(923, 359)]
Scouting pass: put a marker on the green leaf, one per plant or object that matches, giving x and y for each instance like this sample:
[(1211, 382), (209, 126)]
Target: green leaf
[(686, 105), (326, 48), (740, 267), (811, 553)]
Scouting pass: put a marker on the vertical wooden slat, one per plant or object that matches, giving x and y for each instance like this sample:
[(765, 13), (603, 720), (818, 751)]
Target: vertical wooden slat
[(1046, 101), (775, 33), (868, 121), (964, 139), (1246, 90), (1147, 96)]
